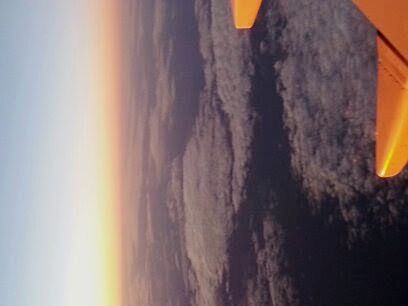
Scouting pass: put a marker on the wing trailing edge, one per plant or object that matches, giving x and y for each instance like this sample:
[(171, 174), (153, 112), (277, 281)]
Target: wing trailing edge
[(392, 111), (390, 19)]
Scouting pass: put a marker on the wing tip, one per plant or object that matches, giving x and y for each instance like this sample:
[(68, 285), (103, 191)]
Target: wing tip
[(384, 172), (245, 13), (392, 111)]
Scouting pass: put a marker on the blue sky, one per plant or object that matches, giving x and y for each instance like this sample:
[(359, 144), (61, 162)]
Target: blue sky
[(43, 139)]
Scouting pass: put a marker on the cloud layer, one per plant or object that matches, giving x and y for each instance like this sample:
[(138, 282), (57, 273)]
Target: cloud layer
[(214, 212), (328, 84)]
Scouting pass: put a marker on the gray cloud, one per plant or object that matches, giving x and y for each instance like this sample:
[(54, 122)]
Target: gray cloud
[(207, 168), (328, 84), (273, 284), (228, 70), (215, 169), (190, 145)]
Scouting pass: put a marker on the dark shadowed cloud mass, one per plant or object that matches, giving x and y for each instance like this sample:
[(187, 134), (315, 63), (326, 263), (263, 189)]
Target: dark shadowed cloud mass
[(249, 158), (328, 84)]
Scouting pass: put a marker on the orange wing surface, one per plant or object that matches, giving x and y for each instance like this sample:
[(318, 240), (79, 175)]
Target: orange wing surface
[(245, 12), (390, 18), (392, 111)]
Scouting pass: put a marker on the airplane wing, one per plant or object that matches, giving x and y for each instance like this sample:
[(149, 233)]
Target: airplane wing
[(392, 111), (391, 20), (245, 12)]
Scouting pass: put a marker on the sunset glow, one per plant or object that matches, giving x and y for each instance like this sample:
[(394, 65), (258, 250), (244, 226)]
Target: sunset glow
[(95, 274), (108, 85)]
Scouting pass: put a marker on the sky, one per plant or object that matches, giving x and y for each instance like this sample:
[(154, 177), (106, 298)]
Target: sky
[(59, 153)]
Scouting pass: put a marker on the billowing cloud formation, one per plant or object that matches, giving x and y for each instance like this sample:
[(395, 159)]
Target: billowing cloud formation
[(228, 69), (214, 164), (214, 213), (271, 264), (207, 170), (189, 124), (328, 84)]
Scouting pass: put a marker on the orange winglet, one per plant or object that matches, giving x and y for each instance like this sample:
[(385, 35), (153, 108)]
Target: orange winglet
[(390, 18), (392, 111), (245, 12), (392, 89)]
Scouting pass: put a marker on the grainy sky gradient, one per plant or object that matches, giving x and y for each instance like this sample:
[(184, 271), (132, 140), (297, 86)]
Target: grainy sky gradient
[(59, 153)]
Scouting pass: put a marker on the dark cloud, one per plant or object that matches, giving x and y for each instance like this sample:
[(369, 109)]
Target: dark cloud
[(207, 168), (328, 84), (273, 284), (216, 168), (215, 216), (228, 69), (189, 149)]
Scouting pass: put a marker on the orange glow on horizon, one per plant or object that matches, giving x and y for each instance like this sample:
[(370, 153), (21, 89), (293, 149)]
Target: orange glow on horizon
[(108, 88)]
